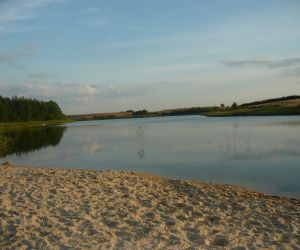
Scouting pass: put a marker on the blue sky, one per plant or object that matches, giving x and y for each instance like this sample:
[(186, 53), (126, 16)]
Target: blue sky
[(95, 56)]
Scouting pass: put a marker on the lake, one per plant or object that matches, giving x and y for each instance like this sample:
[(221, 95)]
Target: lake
[(257, 152)]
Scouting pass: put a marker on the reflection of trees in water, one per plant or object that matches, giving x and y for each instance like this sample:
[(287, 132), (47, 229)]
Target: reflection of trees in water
[(247, 143), (140, 147), (140, 151), (232, 144), (23, 142)]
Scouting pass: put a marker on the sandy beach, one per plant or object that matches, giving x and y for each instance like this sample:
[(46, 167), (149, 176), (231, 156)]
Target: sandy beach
[(52, 208)]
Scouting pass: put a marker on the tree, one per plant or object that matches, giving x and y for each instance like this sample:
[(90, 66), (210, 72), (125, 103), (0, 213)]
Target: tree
[(234, 105), (140, 112), (24, 109)]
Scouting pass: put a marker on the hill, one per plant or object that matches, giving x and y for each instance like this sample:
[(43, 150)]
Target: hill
[(288, 105), (293, 100)]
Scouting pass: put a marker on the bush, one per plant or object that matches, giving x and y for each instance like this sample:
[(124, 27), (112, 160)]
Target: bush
[(140, 112)]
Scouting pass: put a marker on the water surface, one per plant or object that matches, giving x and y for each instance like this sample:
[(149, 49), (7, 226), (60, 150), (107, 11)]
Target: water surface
[(257, 152)]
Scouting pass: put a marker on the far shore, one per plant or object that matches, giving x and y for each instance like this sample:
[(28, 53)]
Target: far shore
[(7, 126), (54, 208), (283, 106)]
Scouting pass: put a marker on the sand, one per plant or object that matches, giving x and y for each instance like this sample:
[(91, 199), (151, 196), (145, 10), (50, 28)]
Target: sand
[(51, 208)]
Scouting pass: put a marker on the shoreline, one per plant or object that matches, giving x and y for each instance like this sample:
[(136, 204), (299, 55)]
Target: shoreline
[(54, 208), (23, 125)]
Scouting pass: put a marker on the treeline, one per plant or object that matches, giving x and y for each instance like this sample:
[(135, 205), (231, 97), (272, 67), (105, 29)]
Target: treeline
[(174, 112), (140, 112), (23, 109), (285, 98), (190, 111)]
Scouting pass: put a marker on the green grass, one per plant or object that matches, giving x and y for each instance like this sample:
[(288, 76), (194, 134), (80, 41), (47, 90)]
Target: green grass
[(256, 111), (7, 126)]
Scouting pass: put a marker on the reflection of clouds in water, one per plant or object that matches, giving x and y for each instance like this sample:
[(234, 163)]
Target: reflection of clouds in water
[(56, 153), (125, 132), (92, 148), (88, 149), (117, 146)]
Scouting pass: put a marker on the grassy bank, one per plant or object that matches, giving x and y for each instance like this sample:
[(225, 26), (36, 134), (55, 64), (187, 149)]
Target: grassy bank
[(256, 111), (6, 126)]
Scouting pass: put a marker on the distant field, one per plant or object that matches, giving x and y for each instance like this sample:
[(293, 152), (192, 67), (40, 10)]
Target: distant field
[(114, 115), (95, 116), (130, 114), (265, 110), (287, 103)]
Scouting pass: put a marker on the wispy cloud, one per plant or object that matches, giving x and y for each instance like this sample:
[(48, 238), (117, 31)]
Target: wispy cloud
[(96, 23), (39, 76), (294, 71), (93, 10), (92, 17), (36, 88), (18, 10), (288, 67), (19, 29), (14, 10), (11, 58), (76, 91), (279, 63)]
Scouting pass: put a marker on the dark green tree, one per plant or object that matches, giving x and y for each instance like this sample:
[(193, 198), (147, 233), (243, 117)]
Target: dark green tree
[(25, 109), (234, 105)]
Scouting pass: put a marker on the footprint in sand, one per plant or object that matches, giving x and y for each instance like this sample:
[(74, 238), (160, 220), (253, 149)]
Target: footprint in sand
[(220, 240)]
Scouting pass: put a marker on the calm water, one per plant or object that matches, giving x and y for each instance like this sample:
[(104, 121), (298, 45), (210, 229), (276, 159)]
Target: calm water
[(258, 152)]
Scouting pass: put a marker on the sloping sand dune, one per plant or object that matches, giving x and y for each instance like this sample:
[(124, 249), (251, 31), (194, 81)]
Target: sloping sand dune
[(47, 208)]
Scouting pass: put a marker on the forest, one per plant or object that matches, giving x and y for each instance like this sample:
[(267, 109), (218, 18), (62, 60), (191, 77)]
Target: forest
[(17, 109)]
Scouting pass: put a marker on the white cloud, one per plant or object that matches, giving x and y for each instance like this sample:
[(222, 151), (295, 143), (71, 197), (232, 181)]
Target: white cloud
[(96, 24), (19, 29), (76, 91), (39, 76), (85, 99), (87, 89), (272, 63)]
